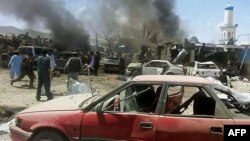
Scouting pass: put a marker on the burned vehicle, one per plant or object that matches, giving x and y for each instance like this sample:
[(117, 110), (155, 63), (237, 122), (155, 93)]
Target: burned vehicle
[(203, 69), (62, 58), (154, 67), (113, 64), (149, 108)]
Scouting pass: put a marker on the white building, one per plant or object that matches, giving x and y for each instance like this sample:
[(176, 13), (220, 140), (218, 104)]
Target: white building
[(228, 29)]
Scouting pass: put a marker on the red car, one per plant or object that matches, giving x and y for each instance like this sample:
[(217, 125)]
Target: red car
[(147, 108)]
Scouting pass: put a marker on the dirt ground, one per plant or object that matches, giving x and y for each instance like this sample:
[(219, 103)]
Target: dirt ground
[(17, 97)]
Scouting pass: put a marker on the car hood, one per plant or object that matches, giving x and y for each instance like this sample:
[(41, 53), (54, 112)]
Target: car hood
[(65, 103)]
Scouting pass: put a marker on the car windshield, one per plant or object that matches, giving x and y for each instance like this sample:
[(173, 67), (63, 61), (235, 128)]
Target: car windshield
[(206, 66), (24, 50)]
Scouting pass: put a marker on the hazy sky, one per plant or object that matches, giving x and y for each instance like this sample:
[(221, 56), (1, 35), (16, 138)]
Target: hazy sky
[(200, 18)]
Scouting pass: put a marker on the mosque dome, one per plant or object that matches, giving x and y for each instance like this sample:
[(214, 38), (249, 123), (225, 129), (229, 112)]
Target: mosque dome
[(229, 7)]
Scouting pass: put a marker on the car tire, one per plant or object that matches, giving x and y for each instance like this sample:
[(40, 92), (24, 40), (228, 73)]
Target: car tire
[(49, 135), (170, 73)]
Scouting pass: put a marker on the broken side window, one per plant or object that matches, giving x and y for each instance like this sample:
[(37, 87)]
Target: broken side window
[(135, 98), (189, 101)]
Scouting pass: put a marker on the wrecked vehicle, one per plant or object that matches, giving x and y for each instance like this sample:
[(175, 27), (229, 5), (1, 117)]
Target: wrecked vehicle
[(203, 69), (113, 64), (154, 67), (149, 107), (62, 58)]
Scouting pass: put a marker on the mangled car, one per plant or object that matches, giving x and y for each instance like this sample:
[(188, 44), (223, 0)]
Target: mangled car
[(148, 108), (203, 69), (153, 67), (113, 64)]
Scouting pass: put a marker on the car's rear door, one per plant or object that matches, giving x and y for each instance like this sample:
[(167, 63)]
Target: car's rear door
[(179, 128), (202, 120)]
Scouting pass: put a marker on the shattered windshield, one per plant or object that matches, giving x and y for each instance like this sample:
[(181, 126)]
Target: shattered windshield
[(232, 98)]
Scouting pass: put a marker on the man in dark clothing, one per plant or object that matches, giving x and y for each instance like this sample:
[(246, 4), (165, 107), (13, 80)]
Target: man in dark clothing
[(44, 76), (73, 67), (26, 69), (97, 58)]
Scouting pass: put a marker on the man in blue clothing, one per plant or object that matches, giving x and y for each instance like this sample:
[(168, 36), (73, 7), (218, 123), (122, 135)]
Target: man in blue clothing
[(15, 65), (44, 76)]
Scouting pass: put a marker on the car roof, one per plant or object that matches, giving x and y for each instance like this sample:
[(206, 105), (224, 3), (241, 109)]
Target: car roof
[(159, 61), (180, 79), (208, 62)]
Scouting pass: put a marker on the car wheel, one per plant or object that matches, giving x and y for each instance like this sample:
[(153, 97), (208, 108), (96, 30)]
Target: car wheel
[(170, 73), (49, 136)]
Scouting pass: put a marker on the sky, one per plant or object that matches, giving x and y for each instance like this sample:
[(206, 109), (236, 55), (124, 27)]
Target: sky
[(200, 18)]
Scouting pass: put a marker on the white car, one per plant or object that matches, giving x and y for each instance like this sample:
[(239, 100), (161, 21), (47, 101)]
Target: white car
[(154, 67), (203, 69)]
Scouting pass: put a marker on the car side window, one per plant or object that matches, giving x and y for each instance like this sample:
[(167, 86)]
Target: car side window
[(192, 64), (136, 98), (189, 101), (151, 64)]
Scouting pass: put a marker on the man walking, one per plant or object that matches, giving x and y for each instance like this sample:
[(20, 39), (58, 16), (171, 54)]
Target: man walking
[(52, 67), (44, 76), (15, 65), (73, 67), (26, 69)]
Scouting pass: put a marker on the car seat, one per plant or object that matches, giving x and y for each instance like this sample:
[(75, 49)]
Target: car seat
[(203, 105)]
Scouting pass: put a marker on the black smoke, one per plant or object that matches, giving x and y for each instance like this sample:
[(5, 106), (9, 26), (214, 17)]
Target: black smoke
[(52, 14), (128, 18)]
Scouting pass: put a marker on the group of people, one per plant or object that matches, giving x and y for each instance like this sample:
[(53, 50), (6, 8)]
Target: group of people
[(22, 65)]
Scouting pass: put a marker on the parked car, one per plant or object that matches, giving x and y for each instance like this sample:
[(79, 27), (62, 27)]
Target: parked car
[(153, 67), (203, 69), (148, 108), (34, 50)]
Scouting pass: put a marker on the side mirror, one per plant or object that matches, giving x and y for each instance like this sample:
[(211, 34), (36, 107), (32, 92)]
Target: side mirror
[(98, 108)]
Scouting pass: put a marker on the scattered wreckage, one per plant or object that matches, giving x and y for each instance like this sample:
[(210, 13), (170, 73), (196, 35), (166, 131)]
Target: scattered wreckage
[(166, 106), (154, 67)]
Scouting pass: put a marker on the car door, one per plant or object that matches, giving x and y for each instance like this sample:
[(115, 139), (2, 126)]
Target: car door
[(192, 126), (124, 122)]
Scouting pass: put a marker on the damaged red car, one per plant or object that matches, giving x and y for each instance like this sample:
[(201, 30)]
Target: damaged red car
[(146, 108)]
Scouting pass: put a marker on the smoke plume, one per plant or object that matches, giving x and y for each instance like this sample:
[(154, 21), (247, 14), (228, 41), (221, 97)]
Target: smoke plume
[(52, 14), (148, 19)]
